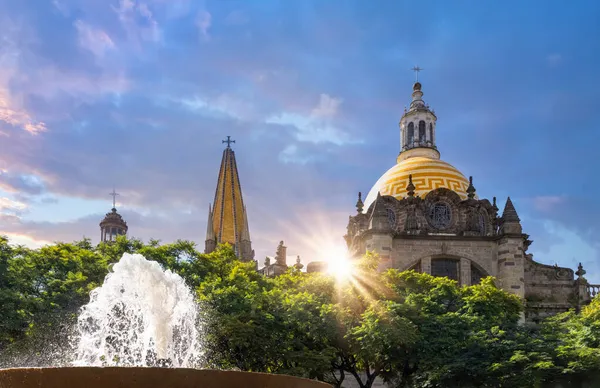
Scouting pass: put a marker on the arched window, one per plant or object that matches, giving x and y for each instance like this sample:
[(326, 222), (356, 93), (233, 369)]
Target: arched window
[(445, 268), (430, 132), (410, 134), (422, 132)]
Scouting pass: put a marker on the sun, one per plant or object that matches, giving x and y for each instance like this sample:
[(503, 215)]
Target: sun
[(338, 262)]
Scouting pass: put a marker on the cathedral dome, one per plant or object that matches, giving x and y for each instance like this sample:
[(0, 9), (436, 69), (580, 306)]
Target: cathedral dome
[(427, 173)]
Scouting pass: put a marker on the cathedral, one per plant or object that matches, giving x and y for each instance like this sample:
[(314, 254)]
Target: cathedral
[(422, 214)]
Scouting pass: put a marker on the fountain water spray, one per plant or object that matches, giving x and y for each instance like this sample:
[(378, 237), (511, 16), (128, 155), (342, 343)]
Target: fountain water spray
[(141, 316)]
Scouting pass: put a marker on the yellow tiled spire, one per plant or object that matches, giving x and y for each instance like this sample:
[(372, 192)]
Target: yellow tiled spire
[(228, 216)]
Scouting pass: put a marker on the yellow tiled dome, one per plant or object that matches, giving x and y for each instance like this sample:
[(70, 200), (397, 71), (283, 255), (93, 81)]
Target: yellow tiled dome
[(427, 175)]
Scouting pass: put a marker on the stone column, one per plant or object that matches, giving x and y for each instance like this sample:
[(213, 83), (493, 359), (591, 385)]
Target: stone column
[(426, 265), (465, 272)]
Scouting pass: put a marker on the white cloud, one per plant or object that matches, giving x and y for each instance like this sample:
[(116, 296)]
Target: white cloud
[(318, 127), (138, 20), (204, 22), (224, 104), (93, 39)]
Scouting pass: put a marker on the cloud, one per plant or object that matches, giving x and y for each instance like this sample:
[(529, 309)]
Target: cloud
[(93, 39), (139, 23), (11, 114), (317, 127), (204, 22), (327, 108), (8, 205)]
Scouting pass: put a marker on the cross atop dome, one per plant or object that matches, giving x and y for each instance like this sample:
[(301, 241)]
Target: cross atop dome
[(416, 69), (114, 195)]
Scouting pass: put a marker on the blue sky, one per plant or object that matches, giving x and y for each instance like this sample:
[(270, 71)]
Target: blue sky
[(140, 93)]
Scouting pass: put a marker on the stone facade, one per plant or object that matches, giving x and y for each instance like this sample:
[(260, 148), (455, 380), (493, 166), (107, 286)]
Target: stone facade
[(470, 241)]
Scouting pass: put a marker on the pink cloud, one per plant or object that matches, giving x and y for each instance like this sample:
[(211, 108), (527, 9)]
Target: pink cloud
[(11, 205), (12, 114)]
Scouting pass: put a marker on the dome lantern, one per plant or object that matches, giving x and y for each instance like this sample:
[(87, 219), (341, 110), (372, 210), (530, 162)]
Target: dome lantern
[(417, 127)]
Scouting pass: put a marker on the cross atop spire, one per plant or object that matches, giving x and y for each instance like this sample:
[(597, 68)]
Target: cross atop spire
[(114, 195), (228, 141), (416, 69)]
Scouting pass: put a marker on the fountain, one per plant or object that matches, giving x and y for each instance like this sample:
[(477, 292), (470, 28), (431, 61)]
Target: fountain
[(141, 329)]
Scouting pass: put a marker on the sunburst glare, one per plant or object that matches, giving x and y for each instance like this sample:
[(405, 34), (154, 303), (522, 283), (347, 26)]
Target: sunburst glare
[(338, 262)]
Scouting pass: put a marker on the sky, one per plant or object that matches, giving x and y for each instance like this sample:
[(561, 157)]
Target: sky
[(139, 94)]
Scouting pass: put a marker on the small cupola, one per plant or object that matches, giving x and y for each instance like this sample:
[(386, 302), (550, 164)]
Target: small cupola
[(113, 224)]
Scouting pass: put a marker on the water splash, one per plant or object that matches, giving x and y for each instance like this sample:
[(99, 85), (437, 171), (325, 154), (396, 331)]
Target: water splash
[(141, 316)]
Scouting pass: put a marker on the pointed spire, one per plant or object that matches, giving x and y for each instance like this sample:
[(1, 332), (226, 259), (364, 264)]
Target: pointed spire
[(410, 187), (228, 217), (510, 213), (210, 232), (471, 189), (359, 204)]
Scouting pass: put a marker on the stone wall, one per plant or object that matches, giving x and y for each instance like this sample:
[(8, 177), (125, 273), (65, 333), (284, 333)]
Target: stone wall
[(548, 289), (407, 251)]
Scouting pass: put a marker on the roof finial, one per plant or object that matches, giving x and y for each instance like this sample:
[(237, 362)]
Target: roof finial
[(580, 271), (410, 187), (416, 69), (359, 204), (114, 195), (228, 141), (471, 189)]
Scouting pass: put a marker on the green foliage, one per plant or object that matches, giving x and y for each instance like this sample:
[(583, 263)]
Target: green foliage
[(408, 328)]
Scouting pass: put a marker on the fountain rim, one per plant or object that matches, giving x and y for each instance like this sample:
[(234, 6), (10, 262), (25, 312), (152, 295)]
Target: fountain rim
[(123, 371)]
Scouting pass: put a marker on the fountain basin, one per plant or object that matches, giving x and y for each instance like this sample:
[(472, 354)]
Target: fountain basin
[(116, 377)]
